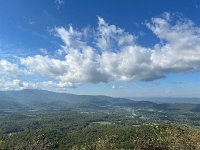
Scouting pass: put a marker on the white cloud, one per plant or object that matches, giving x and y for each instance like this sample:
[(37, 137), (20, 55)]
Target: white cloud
[(109, 53), (8, 68), (9, 84), (9, 72), (43, 51), (46, 85), (117, 87), (181, 51), (60, 2), (113, 54), (112, 38), (44, 65)]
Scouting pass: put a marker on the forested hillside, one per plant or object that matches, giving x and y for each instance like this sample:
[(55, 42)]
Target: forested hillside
[(99, 123)]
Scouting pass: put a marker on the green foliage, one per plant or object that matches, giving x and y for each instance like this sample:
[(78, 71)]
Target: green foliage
[(102, 128), (82, 131), (148, 137)]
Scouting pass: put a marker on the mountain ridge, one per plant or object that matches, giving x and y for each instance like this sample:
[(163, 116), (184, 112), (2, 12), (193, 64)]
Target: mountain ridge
[(35, 98), (31, 97)]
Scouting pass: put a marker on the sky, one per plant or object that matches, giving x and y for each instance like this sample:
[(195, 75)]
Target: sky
[(120, 48)]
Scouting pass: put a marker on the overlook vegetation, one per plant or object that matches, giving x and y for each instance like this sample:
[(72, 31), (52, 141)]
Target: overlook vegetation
[(95, 123)]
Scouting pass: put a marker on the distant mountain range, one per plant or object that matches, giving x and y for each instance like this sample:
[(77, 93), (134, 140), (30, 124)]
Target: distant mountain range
[(30, 98), (187, 100)]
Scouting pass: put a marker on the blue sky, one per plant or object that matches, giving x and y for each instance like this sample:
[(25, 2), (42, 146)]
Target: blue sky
[(118, 48)]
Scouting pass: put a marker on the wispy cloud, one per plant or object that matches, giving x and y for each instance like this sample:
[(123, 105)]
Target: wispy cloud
[(43, 51), (117, 87), (59, 3), (31, 22)]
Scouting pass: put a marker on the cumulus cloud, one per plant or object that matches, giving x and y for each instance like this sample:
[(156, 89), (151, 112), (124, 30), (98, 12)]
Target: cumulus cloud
[(6, 84), (8, 75), (109, 53), (112, 38), (44, 65), (8, 68), (113, 55), (181, 51)]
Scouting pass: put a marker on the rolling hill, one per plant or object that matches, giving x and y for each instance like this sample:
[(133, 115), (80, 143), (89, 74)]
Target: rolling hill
[(41, 98)]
